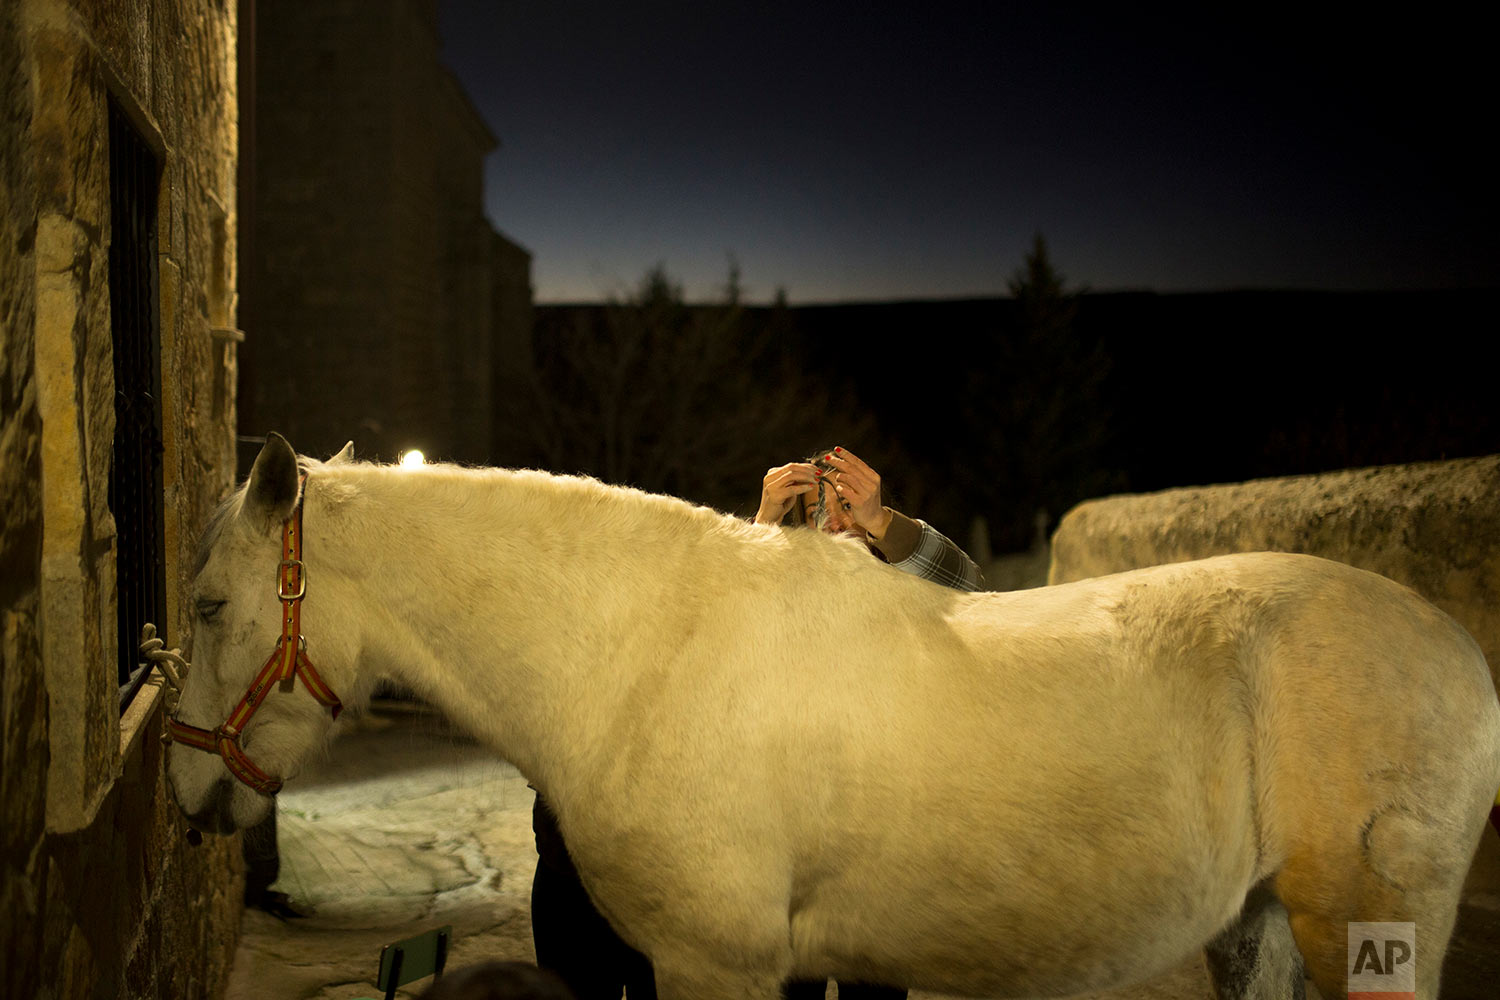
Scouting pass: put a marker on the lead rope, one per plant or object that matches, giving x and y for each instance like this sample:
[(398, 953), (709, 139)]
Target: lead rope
[(171, 663), (173, 669)]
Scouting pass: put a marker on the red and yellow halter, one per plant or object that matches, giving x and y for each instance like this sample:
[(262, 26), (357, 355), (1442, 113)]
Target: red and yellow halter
[(287, 662)]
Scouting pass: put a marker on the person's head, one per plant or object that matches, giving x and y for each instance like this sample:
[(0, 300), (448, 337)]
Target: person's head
[(836, 519)]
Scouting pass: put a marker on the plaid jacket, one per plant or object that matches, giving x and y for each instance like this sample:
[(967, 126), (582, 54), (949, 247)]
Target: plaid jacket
[(937, 559), (918, 548)]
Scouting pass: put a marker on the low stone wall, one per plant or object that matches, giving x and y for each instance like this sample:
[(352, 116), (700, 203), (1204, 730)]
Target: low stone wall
[(1434, 527)]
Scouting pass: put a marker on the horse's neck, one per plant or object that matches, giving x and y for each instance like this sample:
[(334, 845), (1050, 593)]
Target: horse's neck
[(516, 615)]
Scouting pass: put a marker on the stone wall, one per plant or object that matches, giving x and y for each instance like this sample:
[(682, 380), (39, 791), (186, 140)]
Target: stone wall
[(1434, 527), (101, 895), (377, 269)]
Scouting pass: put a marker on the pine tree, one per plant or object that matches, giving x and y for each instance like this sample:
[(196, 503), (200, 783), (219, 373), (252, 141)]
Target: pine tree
[(1036, 409)]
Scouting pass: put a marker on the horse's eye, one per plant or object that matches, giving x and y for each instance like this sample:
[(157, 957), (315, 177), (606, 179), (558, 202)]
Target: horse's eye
[(209, 610)]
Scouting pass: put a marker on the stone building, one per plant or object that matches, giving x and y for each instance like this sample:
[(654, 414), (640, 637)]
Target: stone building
[(117, 382), (378, 300)]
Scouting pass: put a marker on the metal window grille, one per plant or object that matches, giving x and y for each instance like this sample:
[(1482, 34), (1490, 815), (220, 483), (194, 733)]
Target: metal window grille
[(135, 478)]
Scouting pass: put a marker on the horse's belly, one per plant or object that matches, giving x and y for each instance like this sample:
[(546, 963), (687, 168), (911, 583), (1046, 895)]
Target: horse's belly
[(1075, 874), (937, 927)]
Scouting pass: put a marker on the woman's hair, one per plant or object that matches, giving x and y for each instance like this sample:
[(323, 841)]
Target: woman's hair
[(798, 514)]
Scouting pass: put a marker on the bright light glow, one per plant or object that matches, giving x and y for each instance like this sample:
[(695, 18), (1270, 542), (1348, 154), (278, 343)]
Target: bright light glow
[(413, 458)]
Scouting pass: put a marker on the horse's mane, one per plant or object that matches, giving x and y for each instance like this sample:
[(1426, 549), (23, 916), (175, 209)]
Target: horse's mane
[(615, 511), (448, 486)]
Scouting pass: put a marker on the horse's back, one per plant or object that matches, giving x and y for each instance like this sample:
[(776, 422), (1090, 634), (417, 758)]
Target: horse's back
[(1328, 630), (1358, 682)]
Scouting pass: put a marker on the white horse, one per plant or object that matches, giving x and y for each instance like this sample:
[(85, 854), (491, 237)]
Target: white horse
[(773, 756)]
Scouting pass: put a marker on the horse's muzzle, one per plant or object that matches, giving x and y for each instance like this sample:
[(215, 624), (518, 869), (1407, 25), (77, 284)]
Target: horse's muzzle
[(216, 816)]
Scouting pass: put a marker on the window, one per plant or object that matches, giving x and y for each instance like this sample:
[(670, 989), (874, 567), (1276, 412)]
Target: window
[(135, 480)]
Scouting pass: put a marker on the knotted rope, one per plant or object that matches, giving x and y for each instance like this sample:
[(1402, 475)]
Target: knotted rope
[(173, 668), (170, 661)]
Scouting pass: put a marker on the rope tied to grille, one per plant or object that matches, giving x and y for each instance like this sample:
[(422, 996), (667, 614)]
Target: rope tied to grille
[(170, 661)]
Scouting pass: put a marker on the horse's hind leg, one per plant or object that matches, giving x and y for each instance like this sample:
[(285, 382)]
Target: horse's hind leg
[(1255, 958), (1323, 939), (1402, 866)]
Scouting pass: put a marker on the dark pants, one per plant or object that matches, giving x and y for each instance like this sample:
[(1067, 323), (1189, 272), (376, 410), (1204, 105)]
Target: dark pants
[(810, 990), (571, 937)]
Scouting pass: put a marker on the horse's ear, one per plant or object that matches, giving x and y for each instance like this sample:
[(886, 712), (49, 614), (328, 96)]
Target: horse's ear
[(271, 493), (346, 454)]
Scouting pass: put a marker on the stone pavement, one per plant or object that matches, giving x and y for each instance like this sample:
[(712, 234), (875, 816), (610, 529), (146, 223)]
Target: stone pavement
[(408, 825)]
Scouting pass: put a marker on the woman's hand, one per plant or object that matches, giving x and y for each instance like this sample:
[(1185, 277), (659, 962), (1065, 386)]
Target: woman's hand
[(780, 489), (858, 486)]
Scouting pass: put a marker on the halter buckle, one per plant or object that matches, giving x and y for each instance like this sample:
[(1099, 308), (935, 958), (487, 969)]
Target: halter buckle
[(301, 580)]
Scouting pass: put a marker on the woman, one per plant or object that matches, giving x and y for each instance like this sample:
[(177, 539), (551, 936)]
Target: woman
[(839, 493)]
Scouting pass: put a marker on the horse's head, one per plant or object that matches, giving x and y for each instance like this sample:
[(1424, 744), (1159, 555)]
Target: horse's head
[(245, 591)]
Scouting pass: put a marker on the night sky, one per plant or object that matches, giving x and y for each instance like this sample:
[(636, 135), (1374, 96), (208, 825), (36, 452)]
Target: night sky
[(870, 151)]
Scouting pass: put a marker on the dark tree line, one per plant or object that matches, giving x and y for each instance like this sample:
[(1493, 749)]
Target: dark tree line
[(998, 409), (694, 401), (698, 401)]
